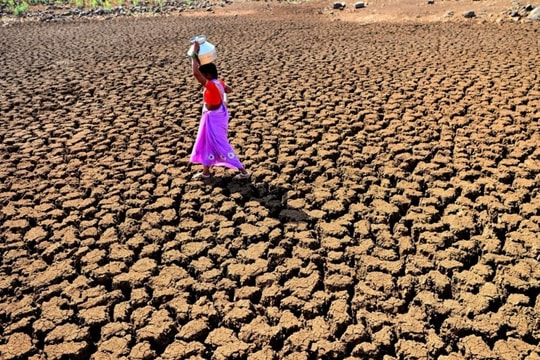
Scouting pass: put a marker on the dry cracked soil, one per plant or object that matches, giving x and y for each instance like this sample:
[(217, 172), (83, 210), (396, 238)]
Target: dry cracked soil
[(393, 211)]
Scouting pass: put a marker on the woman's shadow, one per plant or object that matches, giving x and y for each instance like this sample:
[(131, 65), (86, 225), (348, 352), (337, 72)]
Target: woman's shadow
[(272, 197)]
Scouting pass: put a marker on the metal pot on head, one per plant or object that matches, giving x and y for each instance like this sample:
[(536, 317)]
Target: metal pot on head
[(207, 51)]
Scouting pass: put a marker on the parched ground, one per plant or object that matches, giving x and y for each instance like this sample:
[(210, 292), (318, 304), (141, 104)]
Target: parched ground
[(393, 212)]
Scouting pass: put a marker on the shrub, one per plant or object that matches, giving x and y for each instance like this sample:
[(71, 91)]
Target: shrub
[(21, 9)]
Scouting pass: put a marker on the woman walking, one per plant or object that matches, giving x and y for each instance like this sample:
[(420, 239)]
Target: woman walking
[(212, 147)]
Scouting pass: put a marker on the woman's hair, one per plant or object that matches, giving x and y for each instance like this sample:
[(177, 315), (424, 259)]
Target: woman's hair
[(209, 69)]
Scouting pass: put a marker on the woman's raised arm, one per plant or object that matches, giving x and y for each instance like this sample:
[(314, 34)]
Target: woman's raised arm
[(195, 64)]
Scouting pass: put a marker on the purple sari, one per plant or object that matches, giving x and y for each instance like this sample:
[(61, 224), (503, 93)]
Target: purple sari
[(212, 148)]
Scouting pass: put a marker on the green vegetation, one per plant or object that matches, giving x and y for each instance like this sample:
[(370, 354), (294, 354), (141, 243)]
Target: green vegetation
[(21, 7), (18, 7)]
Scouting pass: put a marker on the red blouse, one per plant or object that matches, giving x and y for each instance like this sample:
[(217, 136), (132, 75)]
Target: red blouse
[(212, 95)]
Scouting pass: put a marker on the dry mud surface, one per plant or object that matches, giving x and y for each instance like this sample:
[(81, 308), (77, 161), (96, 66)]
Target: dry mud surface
[(393, 211)]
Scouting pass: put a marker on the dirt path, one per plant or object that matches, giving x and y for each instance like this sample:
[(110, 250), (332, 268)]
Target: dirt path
[(393, 211)]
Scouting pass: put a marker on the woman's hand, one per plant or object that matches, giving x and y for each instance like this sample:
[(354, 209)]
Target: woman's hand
[(196, 47)]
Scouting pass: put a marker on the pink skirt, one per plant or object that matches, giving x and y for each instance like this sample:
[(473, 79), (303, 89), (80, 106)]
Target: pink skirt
[(212, 147)]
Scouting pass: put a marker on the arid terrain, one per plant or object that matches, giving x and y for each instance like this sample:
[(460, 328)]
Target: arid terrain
[(393, 210)]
